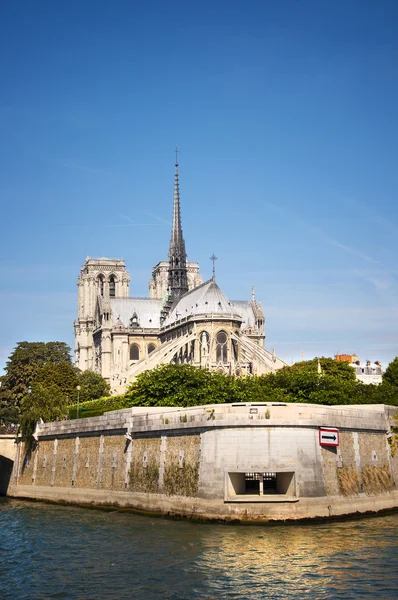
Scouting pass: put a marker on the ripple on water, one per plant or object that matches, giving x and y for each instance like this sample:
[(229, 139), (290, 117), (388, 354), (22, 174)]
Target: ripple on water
[(49, 552)]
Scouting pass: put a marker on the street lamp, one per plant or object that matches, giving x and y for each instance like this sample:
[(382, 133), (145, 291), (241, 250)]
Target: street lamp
[(78, 387)]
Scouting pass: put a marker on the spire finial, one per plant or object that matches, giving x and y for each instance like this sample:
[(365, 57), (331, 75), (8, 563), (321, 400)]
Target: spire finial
[(176, 156), (213, 258), (253, 295)]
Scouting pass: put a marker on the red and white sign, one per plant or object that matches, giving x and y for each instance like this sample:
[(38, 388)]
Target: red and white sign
[(329, 436)]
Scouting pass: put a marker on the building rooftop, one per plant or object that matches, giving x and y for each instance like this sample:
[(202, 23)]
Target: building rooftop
[(147, 311), (206, 298)]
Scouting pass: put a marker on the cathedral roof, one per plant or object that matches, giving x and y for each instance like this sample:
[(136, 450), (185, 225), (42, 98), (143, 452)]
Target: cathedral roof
[(205, 299), (245, 309), (147, 311)]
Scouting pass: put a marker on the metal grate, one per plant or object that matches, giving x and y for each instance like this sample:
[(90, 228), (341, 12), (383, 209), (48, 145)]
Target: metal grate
[(252, 482), (269, 481)]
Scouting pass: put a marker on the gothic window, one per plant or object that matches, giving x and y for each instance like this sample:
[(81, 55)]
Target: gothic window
[(101, 284), (134, 352), (112, 287), (151, 348), (221, 347)]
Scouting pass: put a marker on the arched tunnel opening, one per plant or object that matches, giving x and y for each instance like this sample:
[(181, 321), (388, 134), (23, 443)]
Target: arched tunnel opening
[(6, 465)]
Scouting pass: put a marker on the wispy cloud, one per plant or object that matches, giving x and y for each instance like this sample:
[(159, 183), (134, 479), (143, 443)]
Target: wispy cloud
[(59, 161), (158, 218), (132, 223), (320, 233), (344, 247), (381, 280), (375, 216), (79, 167), (14, 296), (334, 318)]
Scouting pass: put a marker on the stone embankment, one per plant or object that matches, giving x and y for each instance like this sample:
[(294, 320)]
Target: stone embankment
[(247, 462)]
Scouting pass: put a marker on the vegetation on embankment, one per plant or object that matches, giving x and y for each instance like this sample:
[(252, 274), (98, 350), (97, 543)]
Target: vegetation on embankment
[(185, 385), (40, 382)]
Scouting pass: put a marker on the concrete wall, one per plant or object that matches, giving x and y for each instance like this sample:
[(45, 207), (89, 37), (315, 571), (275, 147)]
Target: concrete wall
[(8, 450), (8, 447), (193, 461)]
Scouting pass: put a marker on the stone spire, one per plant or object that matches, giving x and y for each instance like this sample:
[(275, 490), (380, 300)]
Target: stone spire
[(177, 281), (177, 277)]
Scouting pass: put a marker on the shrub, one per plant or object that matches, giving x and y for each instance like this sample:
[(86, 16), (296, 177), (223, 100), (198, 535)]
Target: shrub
[(95, 408)]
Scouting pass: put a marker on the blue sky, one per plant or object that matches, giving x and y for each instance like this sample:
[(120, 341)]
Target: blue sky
[(285, 114)]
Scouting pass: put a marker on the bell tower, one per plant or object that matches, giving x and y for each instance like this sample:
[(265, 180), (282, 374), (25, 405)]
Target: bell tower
[(100, 279)]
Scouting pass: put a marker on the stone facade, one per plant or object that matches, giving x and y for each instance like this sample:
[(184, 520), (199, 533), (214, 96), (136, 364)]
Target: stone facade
[(160, 273), (119, 336), (248, 462), (369, 373)]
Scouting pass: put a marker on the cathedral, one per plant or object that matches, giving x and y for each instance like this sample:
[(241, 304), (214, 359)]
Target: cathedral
[(184, 320)]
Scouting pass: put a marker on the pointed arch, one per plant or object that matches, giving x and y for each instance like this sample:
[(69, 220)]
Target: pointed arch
[(101, 283), (112, 286), (134, 352), (222, 347)]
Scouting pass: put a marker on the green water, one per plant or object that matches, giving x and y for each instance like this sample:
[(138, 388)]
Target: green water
[(49, 551)]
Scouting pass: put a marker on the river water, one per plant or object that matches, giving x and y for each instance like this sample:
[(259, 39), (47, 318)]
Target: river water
[(49, 551)]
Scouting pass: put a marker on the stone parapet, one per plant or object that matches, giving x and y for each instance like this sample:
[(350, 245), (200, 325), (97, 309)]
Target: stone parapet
[(155, 419)]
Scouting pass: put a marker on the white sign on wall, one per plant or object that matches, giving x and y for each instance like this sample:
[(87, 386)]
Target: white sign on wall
[(329, 436)]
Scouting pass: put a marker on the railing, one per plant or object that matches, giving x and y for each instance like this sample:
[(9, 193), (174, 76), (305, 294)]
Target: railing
[(7, 428)]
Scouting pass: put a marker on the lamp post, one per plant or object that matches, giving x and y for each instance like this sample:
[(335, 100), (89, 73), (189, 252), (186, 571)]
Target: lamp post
[(78, 387)]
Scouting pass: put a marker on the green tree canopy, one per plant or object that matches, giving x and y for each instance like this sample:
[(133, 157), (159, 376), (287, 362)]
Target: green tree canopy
[(335, 384), (22, 367), (391, 373), (47, 403), (180, 385), (92, 386), (329, 366), (63, 375), (68, 378)]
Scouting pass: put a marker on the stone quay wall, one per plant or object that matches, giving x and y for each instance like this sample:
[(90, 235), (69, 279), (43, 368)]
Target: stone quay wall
[(245, 462), (8, 452)]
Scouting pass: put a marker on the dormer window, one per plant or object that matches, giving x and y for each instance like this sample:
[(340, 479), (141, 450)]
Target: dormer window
[(134, 320)]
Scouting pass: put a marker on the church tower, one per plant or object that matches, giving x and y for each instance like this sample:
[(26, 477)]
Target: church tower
[(100, 280), (177, 282)]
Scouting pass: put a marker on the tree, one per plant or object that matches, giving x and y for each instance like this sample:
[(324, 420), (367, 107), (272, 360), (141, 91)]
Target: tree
[(263, 388), (47, 403), (92, 386), (391, 373), (340, 369), (22, 366), (180, 385), (336, 384), (63, 375)]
